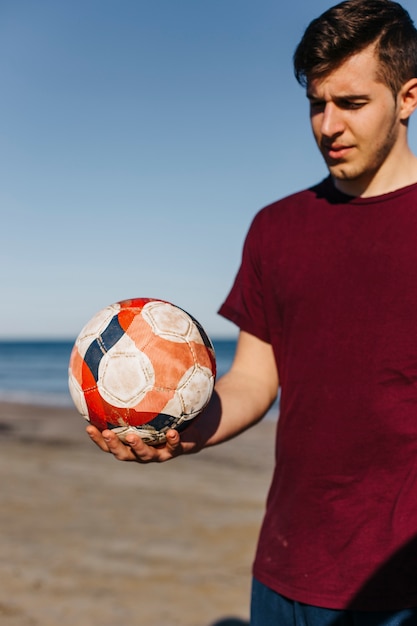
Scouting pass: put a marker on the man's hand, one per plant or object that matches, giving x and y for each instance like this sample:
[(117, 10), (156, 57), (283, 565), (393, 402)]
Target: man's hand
[(241, 397), (134, 449)]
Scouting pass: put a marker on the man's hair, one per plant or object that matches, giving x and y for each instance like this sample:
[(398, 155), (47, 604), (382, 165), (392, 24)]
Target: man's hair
[(349, 28)]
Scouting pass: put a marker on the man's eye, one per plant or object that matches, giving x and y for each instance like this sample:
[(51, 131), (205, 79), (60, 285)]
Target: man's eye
[(348, 104), (317, 107)]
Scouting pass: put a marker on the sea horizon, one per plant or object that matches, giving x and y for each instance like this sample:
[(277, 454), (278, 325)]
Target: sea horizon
[(35, 370)]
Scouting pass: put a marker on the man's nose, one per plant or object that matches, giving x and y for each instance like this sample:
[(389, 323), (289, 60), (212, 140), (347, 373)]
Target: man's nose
[(332, 121)]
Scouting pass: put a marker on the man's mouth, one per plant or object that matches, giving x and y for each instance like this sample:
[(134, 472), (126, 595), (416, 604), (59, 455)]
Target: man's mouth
[(335, 152)]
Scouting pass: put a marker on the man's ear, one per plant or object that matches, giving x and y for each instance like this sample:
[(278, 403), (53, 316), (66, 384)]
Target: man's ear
[(408, 98)]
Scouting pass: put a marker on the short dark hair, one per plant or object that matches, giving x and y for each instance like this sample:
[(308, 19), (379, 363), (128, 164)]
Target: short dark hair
[(349, 28)]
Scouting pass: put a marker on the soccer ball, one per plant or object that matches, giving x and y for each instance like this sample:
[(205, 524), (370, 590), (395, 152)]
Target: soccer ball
[(142, 365)]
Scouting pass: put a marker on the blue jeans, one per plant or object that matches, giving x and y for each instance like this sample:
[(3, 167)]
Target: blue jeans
[(269, 608)]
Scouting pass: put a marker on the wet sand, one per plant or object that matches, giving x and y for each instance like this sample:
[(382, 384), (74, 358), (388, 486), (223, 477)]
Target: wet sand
[(89, 541)]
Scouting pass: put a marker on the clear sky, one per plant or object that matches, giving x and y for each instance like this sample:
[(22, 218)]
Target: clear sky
[(138, 138)]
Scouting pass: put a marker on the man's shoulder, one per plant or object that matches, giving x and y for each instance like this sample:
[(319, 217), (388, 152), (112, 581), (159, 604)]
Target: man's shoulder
[(303, 199)]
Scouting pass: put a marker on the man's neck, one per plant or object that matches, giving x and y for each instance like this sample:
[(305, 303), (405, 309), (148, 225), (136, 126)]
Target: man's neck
[(386, 180)]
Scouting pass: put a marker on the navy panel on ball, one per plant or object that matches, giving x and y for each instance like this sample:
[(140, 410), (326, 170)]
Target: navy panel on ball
[(204, 336), (161, 422), (102, 344)]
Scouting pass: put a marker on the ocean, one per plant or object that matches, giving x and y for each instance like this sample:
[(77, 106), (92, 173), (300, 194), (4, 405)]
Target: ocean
[(36, 372)]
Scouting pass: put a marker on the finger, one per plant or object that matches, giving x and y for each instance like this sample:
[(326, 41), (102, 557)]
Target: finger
[(97, 437), (133, 448), (173, 442), (108, 441), (146, 454)]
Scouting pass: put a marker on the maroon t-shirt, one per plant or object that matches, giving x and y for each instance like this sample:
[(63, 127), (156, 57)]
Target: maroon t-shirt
[(331, 282)]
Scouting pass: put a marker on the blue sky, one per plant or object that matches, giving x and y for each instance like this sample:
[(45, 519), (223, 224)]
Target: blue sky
[(138, 140)]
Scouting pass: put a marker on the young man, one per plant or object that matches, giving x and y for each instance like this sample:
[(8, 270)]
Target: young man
[(326, 295)]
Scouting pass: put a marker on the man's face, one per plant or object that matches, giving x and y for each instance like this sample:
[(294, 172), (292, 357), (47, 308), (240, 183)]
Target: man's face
[(355, 121)]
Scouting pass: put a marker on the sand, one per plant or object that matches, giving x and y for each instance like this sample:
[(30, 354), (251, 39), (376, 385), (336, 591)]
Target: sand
[(90, 541)]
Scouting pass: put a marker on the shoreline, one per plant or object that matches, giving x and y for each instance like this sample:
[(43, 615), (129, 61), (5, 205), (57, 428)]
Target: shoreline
[(89, 540)]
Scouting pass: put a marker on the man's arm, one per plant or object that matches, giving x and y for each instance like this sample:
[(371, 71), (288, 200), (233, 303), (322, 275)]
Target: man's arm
[(241, 397)]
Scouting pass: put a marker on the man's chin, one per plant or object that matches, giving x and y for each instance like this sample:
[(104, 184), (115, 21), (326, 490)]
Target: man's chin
[(340, 171)]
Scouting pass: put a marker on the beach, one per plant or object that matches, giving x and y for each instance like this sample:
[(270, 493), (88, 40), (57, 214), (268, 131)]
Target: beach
[(90, 541)]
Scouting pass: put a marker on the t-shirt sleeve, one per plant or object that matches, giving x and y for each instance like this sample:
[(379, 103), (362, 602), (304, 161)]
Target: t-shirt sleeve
[(245, 303)]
